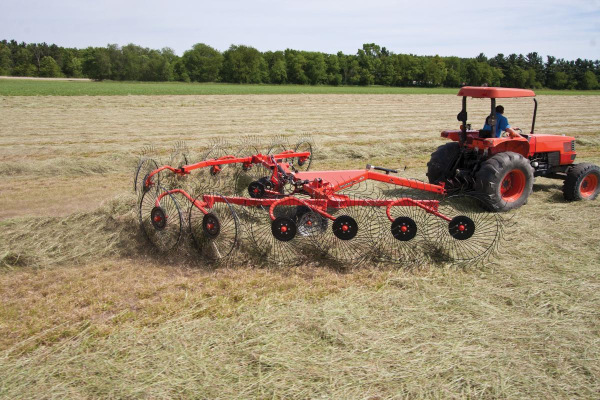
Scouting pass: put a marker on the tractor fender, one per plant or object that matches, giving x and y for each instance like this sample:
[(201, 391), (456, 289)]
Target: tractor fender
[(518, 145)]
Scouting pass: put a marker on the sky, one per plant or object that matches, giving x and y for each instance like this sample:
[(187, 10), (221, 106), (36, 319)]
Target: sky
[(564, 29)]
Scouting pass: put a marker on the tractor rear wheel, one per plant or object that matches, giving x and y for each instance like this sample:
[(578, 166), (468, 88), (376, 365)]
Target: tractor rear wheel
[(582, 182), (442, 160), (505, 180)]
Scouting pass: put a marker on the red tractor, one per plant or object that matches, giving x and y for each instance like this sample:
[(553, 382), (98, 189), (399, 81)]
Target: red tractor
[(502, 169)]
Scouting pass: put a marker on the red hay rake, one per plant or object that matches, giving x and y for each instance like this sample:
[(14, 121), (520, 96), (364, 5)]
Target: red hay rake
[(289, 213)]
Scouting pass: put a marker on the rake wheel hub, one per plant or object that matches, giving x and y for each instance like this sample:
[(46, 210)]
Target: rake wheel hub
[(345, 227), (283, 229), (461, 227), (211, 225), (158, 218), (256, 190), (404, 229)]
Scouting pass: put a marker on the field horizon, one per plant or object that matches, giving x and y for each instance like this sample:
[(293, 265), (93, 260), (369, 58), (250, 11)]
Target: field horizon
[(26, 86), (88, 309)]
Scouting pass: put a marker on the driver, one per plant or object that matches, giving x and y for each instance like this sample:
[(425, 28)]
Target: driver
[(501, 124)]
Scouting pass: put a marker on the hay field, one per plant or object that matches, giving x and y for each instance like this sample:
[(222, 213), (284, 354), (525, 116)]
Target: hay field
[(87, 310)]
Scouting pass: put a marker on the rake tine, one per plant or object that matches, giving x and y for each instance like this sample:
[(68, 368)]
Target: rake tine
[(217, 233), (276, 241), (471, 236)]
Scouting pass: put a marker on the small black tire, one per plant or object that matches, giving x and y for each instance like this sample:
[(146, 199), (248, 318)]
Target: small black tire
[(505, 180), (441, 161), (582, 182)]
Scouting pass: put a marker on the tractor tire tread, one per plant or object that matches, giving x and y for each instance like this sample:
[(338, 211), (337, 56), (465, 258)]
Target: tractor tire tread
[(441, 161), (490, 175), (575, 175)]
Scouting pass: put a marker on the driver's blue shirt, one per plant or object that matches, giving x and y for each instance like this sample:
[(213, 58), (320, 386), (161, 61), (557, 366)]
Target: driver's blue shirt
[(501, 124)]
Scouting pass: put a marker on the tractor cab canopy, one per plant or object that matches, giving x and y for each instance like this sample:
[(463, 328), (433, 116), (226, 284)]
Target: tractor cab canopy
[(493, 93)]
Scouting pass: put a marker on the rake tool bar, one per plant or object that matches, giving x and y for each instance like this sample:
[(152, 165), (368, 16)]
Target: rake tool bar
[(289, 212)]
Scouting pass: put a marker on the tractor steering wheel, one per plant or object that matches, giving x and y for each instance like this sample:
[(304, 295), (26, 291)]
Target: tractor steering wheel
[(518, 130)]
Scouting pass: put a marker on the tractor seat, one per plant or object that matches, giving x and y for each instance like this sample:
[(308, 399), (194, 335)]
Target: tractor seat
[(485, 133)]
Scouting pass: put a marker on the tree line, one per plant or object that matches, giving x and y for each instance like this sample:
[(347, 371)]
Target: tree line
[(371, 65)]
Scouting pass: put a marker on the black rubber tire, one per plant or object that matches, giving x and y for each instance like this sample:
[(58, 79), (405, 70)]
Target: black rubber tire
[(491, 174), (441, 161), (575, 175)]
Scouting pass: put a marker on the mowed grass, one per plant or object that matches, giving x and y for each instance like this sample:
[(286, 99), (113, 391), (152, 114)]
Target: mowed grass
[(22, 87), (89, 310)]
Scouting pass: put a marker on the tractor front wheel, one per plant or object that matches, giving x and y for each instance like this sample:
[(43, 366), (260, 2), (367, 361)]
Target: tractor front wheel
[(505, 180), (582, 182)]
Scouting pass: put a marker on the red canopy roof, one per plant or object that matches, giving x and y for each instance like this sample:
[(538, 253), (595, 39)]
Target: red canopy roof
[(494, 92)]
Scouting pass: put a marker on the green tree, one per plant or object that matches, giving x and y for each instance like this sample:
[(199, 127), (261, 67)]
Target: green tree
[(473, 71), (157, 67), (117, 62), (244, 64), (49, 68), (295, 63), (535, 62), (315, 68), (180, 72), (515, 76), (38, 51), (72, 63), (334, 77), (5, 60), (590, 81), (133, 62), (22, 62), (203, 63), (277, 68), (368, 63), (558, 80), (96, 63), (435, 71), (453, 77)]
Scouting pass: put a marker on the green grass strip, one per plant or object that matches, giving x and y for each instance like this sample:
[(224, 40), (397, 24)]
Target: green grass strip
[(18, 87)]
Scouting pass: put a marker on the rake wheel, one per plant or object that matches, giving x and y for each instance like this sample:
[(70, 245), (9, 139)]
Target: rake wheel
[(161, 223), (310, 223), (252, 182), (269, 241), (144, 168), (303, 146), (471, 235), (350, 240), (216, 234), (278, 145), (177, 159), (215, 178), (403, 240)]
